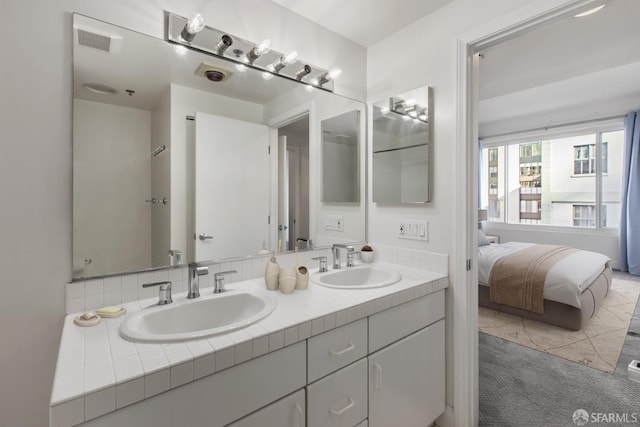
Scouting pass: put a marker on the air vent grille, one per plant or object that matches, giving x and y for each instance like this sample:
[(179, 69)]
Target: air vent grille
[(94, 40)]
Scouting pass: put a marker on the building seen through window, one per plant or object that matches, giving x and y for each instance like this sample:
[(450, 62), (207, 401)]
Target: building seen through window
[(554, 181)]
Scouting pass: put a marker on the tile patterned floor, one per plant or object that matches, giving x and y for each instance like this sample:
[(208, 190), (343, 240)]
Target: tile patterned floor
[(597, 345)]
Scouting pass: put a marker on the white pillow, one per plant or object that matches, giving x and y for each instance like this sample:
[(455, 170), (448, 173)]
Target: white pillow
[(482, 239)]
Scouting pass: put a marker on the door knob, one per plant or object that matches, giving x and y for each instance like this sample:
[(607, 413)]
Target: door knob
[(204, 237)]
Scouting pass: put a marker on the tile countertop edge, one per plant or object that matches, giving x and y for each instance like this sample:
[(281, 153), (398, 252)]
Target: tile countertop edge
[(317, 308)]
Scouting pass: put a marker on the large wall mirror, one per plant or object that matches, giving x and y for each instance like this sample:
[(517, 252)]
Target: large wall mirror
[(401, 148), (171, 167)]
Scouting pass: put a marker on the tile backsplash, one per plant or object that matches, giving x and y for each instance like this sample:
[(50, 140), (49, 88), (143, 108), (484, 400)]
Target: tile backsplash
[(91, 294)]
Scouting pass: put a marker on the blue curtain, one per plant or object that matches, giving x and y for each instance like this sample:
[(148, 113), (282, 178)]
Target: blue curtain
[(630, 217)]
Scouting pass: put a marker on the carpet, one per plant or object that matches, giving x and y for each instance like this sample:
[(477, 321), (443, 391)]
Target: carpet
[(520, 386), (598, 345)]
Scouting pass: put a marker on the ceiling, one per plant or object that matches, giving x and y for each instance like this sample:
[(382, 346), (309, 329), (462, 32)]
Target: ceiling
[(571, 70), (363, 21)]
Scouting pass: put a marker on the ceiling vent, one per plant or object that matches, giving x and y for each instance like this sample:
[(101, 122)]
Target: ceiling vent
[(95, 40), (213, 73)]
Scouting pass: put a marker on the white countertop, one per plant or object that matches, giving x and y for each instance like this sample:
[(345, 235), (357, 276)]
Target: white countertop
[(100, 372)]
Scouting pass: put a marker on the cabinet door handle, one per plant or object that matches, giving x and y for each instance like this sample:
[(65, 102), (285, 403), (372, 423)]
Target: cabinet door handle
[(351, 403), (377, 376), (343, 351), (300, 415)]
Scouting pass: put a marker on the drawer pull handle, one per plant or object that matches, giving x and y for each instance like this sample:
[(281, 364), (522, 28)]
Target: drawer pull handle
[(349, 405), (377, 376), (300, 416), (343, 351)]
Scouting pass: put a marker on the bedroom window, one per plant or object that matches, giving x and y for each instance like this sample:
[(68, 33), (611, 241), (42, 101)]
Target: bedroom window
[(570, 177), (584, 159), (585, 216)]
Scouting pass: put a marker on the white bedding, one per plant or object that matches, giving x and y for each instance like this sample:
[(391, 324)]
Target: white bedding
[(566, 280)]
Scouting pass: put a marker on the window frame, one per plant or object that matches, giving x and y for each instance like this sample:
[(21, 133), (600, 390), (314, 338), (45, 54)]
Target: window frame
[(598, 128)]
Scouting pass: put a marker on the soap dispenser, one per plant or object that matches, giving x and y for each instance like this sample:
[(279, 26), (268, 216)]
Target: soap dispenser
[(272, 273)]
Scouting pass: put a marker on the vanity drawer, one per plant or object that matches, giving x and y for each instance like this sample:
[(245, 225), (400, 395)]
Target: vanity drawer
[(335, 349), (339, 400), (286, 412), (391, 325)]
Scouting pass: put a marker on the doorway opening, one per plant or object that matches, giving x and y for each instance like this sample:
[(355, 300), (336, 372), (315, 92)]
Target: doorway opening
[(293, 185)]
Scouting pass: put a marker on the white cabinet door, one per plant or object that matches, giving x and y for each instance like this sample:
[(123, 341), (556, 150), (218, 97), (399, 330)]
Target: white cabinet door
[(286, 412), (406, 380)]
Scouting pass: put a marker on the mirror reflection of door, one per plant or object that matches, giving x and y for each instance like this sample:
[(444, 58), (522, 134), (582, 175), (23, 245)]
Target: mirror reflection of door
[(231, 173), (293, 185)]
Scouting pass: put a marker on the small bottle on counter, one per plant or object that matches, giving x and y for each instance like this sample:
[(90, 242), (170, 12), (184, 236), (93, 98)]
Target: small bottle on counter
[(272, 273)]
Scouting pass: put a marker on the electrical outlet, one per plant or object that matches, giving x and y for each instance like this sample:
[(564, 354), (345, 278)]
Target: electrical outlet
[(334, 222), (413, 229)]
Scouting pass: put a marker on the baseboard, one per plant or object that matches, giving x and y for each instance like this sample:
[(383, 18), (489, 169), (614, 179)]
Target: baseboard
[(446, 419)]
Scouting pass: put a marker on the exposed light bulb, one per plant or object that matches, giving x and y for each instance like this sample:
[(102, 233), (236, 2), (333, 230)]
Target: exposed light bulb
[(267, 75), (309, 88), (423, 117), (263, 47), (285, 60), (194, 25), (258, 50), (384, 110), (413, 114), (334, 73)]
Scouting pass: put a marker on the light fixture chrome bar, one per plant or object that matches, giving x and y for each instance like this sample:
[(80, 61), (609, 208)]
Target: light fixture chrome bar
[(213, 41)]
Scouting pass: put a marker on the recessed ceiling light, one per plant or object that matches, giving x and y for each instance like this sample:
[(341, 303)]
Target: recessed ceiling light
[(99, 88), (589, 12)]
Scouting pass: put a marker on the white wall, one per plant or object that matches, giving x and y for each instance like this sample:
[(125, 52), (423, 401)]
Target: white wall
[(423, 54), (36, 160), (111, 183), (161, 181)]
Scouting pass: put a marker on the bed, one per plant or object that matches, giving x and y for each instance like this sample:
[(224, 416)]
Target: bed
[(574, 287)]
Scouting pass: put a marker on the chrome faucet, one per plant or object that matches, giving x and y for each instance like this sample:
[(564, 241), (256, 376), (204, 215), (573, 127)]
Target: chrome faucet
[(335, 250), (194, 279), (164, 294), (219, 284)]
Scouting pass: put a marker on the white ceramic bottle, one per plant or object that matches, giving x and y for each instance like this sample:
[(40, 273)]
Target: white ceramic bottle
[(272, 273)]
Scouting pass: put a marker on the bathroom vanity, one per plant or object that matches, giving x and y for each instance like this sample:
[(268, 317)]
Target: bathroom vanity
[(323, 357)]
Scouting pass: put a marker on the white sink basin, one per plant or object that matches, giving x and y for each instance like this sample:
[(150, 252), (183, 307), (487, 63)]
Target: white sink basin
[(360, 277), (199, 318)]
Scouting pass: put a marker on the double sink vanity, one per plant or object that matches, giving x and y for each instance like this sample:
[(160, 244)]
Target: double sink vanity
[(362, 345)]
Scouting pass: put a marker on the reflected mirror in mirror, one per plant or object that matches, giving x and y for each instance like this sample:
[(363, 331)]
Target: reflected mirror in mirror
[(401, 148), (170, 167), (340, 165)]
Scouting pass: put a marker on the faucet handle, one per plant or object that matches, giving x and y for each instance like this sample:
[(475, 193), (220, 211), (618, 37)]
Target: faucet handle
[(219, 277), (164, 296), (323, 263)]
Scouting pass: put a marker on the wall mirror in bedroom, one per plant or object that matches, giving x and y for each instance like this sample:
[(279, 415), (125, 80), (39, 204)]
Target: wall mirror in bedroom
[(401, 148), (157, 179)]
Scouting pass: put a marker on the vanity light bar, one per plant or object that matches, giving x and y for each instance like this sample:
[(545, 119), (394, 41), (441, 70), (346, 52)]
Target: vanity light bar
[(182, 31), (408, 109)]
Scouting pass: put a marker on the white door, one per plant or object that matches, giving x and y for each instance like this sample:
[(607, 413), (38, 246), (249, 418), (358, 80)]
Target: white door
[(231, 172), (406, 380), (283, 194)]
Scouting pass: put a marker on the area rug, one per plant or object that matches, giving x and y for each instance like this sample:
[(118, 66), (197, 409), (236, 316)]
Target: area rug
[(597, 345)]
